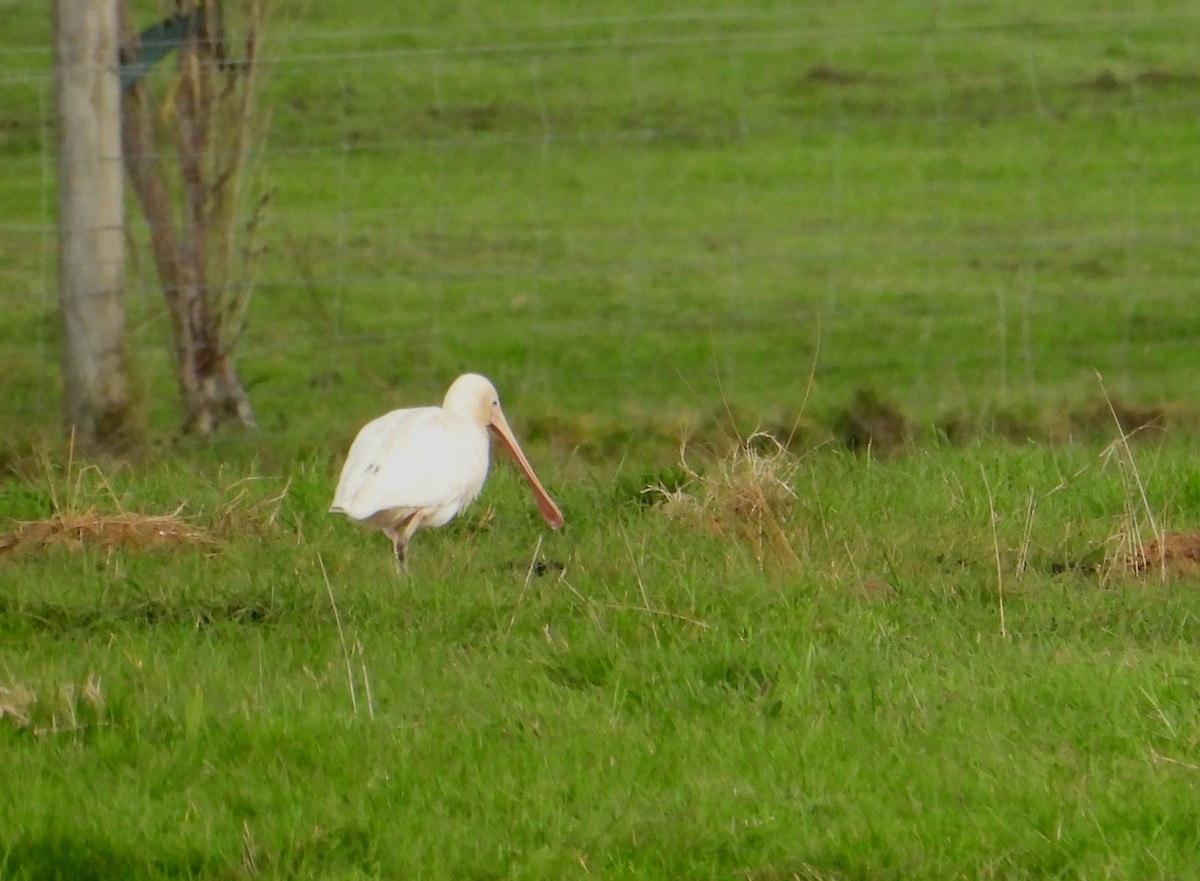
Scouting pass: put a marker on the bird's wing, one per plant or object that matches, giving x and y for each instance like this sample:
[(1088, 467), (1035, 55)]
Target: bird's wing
[(415, 458)]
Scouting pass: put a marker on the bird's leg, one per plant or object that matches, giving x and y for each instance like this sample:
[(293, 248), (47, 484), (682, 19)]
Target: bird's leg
[(397, 549), (400, 539), (411, 524)]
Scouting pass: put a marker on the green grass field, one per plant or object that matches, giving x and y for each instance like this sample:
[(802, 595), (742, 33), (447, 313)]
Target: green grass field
[(905, 644)]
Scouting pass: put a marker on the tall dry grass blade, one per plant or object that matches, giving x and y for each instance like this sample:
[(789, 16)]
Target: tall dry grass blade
[(637, 573), (996, 547), (362, 666), (662, 613), (1027, 533), (249, 851), (533, 560), (50, 471), (808, 387), (1156, 757), (341, 635)]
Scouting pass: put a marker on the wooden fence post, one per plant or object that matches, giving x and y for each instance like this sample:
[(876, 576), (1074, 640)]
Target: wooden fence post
[(91, 234)]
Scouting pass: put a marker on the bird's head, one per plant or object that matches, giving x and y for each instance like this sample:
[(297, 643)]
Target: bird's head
[(474, 397)]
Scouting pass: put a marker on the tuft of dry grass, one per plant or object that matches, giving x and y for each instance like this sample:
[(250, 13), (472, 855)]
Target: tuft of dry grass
[(70, 707), (15, 703), (246, 510), (87, 512), (1137, 527), (77, 529), (746, 497)]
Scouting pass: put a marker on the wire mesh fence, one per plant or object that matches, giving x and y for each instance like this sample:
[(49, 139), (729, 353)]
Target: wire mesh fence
[(980, 203)]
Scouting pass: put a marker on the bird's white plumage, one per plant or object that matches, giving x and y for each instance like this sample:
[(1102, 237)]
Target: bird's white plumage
[(417, 468), (409, 460)]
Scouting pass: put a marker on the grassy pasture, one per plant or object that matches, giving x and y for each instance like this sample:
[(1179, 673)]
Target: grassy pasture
[(662, 699), (921, 662)]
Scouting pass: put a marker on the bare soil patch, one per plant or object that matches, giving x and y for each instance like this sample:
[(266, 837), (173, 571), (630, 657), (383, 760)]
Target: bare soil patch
[(869, 422), (1108, 81), (1175, 552), (832, 76)]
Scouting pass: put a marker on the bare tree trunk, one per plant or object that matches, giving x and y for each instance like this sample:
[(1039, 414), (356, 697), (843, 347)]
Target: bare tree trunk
[(208, 382), (219, 392), (96, 389)]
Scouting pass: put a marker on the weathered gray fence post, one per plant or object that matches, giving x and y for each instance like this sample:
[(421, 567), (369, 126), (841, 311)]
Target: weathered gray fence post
[(96, 392)]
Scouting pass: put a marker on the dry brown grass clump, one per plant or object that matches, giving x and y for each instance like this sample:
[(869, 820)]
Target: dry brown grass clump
[(87, 512), (1140, 545), (107, 530), (746, 497)]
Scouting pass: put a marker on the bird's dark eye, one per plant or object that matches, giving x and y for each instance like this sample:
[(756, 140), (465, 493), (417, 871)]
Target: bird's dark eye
[(495, 402)]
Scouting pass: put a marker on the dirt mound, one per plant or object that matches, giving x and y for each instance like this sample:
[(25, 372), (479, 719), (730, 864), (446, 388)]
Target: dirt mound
[(1176, 552), (869, 422)]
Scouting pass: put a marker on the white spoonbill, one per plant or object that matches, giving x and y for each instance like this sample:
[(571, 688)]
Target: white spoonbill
[(421, 466)]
